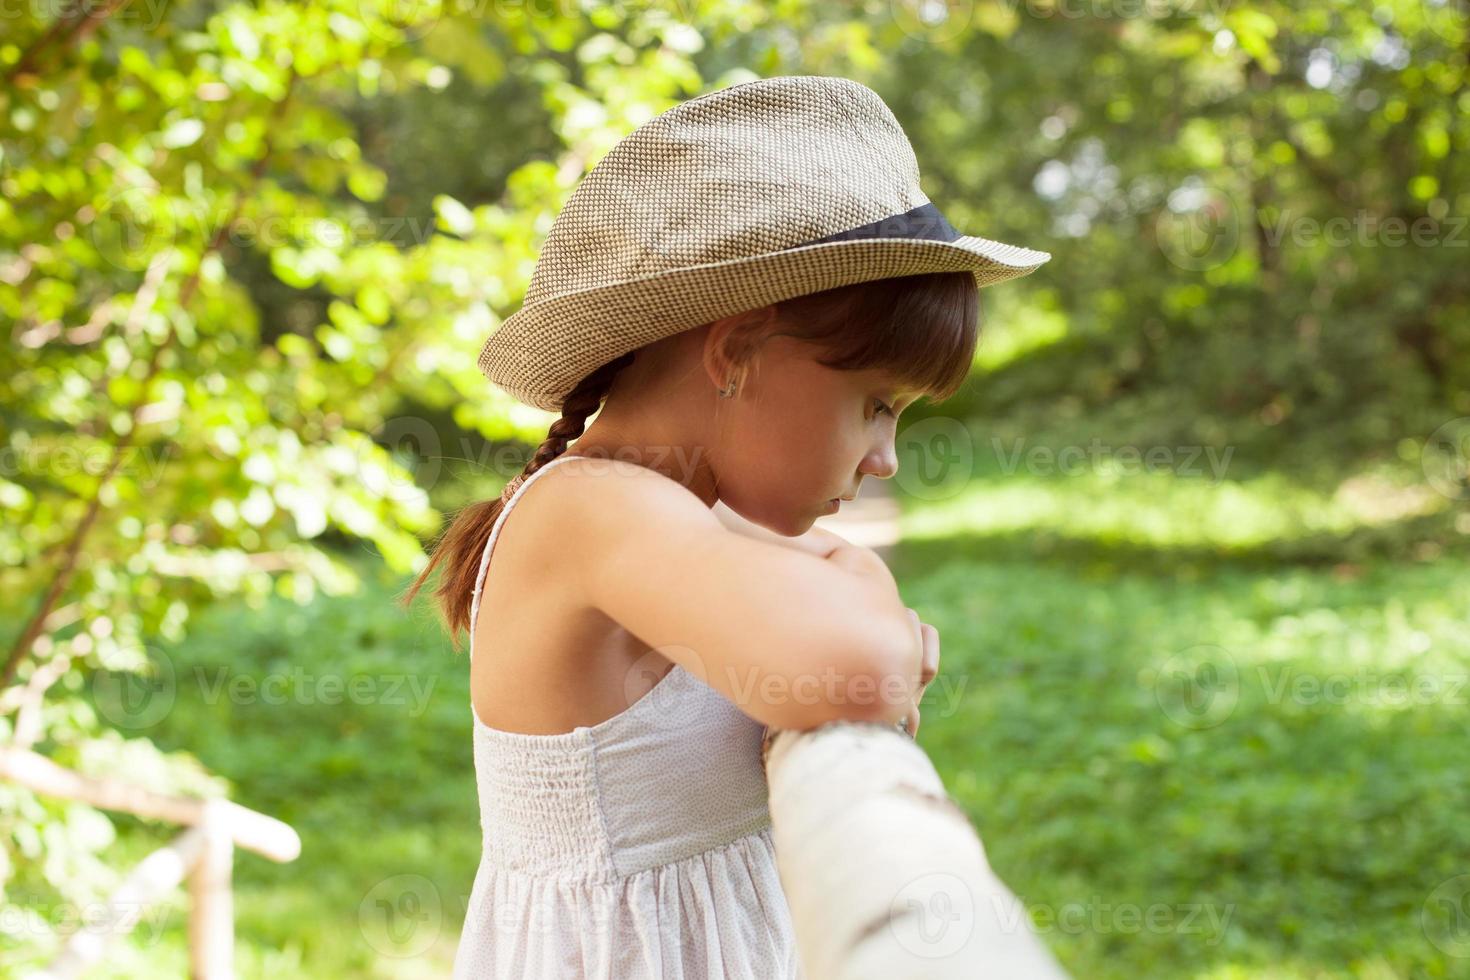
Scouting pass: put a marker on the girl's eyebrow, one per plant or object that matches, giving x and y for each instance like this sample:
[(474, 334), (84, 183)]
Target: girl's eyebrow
[(906, 397), (893, 387)]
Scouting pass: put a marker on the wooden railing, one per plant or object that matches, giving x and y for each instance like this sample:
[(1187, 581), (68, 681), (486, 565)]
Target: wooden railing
[(203, 855), (884, 873)]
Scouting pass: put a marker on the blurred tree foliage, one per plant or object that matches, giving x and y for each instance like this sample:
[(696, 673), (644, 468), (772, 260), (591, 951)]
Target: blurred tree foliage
[(249, 253), (1258, 214)]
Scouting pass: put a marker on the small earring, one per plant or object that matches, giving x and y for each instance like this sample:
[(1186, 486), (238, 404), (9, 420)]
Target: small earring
[(728, 390)]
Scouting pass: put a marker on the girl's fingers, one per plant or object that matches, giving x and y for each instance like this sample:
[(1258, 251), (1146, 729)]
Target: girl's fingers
[(911, 723), (928, 638), (931, 653)]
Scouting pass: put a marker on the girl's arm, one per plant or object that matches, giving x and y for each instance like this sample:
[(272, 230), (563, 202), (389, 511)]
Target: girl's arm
[(792, 641), (822, 542), (816, 541)]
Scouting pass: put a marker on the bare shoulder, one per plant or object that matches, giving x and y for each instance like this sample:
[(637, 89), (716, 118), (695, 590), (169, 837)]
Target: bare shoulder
[(595, 494)]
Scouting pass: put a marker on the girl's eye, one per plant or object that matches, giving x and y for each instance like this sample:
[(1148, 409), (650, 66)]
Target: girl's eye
[(882, 407)]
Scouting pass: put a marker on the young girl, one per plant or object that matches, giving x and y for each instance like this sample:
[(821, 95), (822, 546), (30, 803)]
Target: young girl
[(747, 291)]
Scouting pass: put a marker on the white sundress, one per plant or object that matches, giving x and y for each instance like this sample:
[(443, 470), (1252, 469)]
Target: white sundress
[(639, 848)]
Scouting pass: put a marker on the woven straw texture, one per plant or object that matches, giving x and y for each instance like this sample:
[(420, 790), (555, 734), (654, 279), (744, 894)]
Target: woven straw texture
[(705, 211)]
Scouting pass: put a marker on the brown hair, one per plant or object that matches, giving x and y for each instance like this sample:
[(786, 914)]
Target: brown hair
[(921, 330)]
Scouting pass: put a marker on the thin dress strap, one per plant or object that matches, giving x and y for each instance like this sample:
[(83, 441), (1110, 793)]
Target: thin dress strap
[(505, 509)]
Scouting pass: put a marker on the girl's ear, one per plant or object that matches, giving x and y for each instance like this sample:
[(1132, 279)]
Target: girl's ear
[(731, 341)]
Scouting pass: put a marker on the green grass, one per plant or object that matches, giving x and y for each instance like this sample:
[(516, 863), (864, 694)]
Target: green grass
[(379, 784), (1126, 708), (1269, 756)]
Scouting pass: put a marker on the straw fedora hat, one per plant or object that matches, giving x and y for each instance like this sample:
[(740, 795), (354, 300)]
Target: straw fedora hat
[(752, 194)]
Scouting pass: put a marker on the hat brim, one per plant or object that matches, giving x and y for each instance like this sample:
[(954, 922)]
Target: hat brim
[(539, 354)]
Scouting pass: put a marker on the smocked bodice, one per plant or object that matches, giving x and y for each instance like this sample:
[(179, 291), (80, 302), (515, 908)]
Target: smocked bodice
[(675, 774)]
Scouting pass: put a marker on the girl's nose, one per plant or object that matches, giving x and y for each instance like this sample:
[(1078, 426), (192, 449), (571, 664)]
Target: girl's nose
[(881, 462)]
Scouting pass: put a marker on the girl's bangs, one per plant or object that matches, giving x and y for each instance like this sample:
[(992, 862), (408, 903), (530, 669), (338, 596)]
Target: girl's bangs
[(920, 331)]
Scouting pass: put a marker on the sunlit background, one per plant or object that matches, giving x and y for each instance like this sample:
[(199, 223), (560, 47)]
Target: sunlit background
[(1194, 535)]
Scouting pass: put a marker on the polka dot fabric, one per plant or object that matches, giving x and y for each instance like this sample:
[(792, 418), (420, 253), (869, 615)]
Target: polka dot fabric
[(709, 209), (639, 848)]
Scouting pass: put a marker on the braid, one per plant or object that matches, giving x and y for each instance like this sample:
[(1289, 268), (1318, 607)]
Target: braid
[(581, 402), (463, 542)]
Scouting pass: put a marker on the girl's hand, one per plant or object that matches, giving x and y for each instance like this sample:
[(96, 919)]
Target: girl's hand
[(929, 667)]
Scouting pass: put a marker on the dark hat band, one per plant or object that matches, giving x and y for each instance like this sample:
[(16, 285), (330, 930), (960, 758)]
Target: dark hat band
[(924, 221)]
